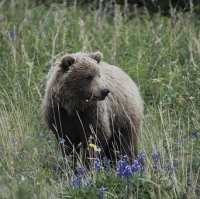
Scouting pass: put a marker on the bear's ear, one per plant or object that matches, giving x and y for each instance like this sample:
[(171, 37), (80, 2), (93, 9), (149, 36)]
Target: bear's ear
[(96, 56), (67, 61)]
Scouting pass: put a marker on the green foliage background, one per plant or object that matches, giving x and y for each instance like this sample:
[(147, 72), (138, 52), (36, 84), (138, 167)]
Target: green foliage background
[(162, 54)]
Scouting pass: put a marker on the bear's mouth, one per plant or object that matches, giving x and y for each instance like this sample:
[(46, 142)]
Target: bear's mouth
[(101, 97), (95, 98), (91, 98)]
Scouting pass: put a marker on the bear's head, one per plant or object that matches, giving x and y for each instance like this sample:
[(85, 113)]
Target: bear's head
[(79, 78)]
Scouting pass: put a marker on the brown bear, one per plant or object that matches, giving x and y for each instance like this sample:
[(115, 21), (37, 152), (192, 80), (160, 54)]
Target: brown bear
[(86, 98)]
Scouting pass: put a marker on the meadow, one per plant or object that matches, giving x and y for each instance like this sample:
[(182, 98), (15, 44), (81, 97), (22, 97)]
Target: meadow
[(162, 54)]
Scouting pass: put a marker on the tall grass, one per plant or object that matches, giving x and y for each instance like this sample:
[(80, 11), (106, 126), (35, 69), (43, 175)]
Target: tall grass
[(161, 54)]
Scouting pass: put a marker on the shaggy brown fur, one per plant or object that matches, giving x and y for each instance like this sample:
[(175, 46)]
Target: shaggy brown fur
[(86, 97)]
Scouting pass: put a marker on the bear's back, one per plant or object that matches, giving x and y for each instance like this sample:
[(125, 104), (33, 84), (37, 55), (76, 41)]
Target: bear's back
[(124, 93)]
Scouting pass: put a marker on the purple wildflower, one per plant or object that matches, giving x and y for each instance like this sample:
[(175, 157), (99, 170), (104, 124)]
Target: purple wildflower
[(155, 157), (102, 190), (136, 166), (97, 164), (141, 158), (125, 158), (76, 183), (127, 171), (121, 164), (80, 171), (155, 167), (194, 135), (12, 34)]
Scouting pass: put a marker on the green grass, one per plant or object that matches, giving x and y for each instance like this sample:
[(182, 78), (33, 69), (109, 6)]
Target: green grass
[(161, 54)]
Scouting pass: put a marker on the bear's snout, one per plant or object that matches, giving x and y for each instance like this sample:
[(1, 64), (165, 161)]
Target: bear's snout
[(104, 93)]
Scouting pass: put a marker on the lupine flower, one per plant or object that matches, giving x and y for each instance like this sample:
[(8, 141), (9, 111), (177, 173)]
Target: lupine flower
[(141, 160), (136, 166), (155, 167), (106, 163), (76, 183), (121, 164), (125, 158), (194, 135), (62, 141), (97, 165), (141, 157), (12, 34), (127, 171), (80, 171), (155, 158), (170, 168), (102, 190)]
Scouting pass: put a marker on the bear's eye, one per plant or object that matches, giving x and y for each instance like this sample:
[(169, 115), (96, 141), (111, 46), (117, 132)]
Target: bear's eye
[(89, 77)]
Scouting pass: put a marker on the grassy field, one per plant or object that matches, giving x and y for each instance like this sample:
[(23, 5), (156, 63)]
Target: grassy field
[(161, 54)]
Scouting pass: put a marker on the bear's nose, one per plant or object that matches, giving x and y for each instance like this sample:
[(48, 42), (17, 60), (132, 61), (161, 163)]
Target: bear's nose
[(105, 92)]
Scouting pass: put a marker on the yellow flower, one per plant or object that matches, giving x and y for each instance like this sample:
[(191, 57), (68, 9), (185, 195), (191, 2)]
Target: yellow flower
[(94, 147)]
